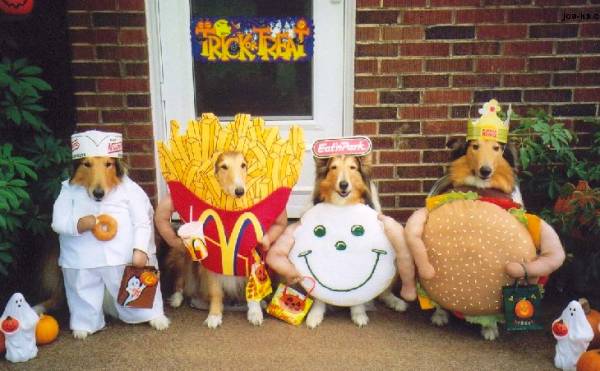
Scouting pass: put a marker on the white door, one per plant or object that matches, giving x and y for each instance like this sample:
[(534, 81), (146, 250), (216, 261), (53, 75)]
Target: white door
[(311, 94)]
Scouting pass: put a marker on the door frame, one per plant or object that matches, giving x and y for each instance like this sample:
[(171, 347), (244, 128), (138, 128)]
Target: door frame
[(160, 123)]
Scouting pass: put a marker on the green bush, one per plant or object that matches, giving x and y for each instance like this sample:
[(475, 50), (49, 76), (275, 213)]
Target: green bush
[(32, 161)]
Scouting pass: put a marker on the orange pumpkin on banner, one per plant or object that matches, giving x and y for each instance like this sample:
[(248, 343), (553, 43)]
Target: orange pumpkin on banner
[(16, 7)]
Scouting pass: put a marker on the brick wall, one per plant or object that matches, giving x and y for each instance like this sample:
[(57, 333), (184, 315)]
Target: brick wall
[(110, 72), (422, 65)]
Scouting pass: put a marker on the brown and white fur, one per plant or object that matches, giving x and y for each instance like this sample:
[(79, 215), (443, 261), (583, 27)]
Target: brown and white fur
[(98, 175), (346, 180)]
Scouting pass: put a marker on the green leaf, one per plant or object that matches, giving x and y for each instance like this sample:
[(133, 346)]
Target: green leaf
[(38, 83), (6, 258), (30, 70), (14, 114)]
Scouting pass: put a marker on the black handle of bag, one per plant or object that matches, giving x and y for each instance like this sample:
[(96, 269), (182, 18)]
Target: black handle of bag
[(526, 277)]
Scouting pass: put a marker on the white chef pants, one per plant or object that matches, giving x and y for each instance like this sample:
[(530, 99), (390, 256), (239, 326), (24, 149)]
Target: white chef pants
[(85, 294)]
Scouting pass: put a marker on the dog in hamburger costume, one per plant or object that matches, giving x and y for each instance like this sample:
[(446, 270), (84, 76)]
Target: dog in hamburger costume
[(476, 238)]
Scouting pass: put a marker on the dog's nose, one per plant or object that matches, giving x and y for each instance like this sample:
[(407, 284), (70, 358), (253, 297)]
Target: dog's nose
[(239, 191), (98, 194), (485, 171), (343, 185)]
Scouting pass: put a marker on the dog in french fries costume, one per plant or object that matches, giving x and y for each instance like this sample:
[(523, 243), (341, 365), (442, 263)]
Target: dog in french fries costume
[(475, 239), (228, 228)]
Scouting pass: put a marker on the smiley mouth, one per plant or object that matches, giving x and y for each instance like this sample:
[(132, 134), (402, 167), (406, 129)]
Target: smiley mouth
[(343, 194), (304, 254)]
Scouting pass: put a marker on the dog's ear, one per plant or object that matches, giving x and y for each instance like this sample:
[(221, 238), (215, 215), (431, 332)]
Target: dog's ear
[(321, 166), (365, 163), (120, 167), (75, 164), (511, 155), (458, 148)]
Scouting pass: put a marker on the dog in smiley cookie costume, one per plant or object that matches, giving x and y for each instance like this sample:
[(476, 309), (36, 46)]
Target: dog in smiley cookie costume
[(471, 241)]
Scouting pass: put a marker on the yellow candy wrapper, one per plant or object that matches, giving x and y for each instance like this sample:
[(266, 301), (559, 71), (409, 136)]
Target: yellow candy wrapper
[(289, 305), (259, 282)]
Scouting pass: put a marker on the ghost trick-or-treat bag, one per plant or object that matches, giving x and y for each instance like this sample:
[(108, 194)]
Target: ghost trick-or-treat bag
[(138, 287)]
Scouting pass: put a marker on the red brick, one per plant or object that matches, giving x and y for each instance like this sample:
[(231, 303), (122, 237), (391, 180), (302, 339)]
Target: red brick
[(123, 85), (132, 36), (394, 186), (99, 36), (100, 101), (423, 112), (87, 116), (532, 15), (500, 95), (367, 33), (403, 33), (376, 50), (403, 3), (377, 17), (126, 115), (424, 49), (399, 157), (375, 82), (426, 17), (89, 69), (506, 2), (118, 19), (475, 80), (446, 96), (122, 52), (136, 69), (501, 32), (365, 66), (520, 80), (552, 64), (142, 175), (474, 16), (578, 47), (401, 215), (590, 30), (424, 81), (131, 5), (444, 127), (382, 142), (455, 3), (476, 48), (575, 110), (367, 113), (82, 52), (365, 98), (547, 95), (559, 2), (150, 189), (589, 63), (500, 65), (138, 146), (141, 161), (365, 128), (84, 85), (421, 142), (399, 97), (404, 172), (463, 111), (400, 127), (587, 95), (553, 31), (80, 19), (368, 3), (449, 32), (117, 128), (91, 5), (382, 172), (138, 100), (411, 200), (386, 201), (401, 65), (577, 79), (437, 157), (449, 65), (139, 131), (527, 48)]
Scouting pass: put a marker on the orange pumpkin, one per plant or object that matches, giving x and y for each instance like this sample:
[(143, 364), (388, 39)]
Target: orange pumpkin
[(593, 317), (149, 278), (589, 361), (46, 330), (2, 345), (524, 309)]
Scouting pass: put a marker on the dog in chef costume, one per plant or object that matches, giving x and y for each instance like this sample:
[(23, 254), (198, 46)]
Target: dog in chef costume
[(20, 338), (91, 265)]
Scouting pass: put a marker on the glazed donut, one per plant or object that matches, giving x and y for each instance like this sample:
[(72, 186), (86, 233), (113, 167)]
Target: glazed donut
[(105, 228)]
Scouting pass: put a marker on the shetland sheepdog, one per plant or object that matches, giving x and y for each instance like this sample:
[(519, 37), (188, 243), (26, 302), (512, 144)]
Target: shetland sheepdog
[(346, 180), (198, 282), (483, 164)]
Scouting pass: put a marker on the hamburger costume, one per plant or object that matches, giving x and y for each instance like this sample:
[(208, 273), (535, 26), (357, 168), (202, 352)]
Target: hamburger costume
[(90, 265)]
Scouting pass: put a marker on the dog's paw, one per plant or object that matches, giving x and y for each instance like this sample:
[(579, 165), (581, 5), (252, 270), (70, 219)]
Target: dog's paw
[(160, 323), (176, 299), (360, 319), (214, 320), (490, 332), (79, 334), (395, 303), (314, 319), (39, 309), (439, 317), (255, 316)]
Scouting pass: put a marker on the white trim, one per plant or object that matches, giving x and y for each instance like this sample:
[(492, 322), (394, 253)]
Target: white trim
[(349, 46)]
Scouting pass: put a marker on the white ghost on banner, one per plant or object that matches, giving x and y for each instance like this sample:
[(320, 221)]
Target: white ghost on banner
[(573, 334), (19, 329)]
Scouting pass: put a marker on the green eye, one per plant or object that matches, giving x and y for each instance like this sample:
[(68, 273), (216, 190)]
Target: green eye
[(340, 245), (319, 231), (357, 230)]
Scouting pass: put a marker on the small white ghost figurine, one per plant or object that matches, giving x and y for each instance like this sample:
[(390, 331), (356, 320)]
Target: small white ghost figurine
[(19, 336), (573, 334)]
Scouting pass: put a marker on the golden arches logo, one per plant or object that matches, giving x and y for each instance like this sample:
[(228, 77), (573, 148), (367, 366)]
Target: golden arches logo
[(229, 245)]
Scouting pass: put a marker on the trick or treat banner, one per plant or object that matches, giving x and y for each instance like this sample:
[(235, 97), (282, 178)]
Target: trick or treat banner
[(252, 39)]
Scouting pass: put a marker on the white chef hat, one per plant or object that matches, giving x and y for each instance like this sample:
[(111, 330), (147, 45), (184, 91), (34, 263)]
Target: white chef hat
[(96, 143)]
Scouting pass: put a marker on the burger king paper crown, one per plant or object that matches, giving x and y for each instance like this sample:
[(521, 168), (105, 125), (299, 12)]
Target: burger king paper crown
[(93, 143), (489, 126)]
